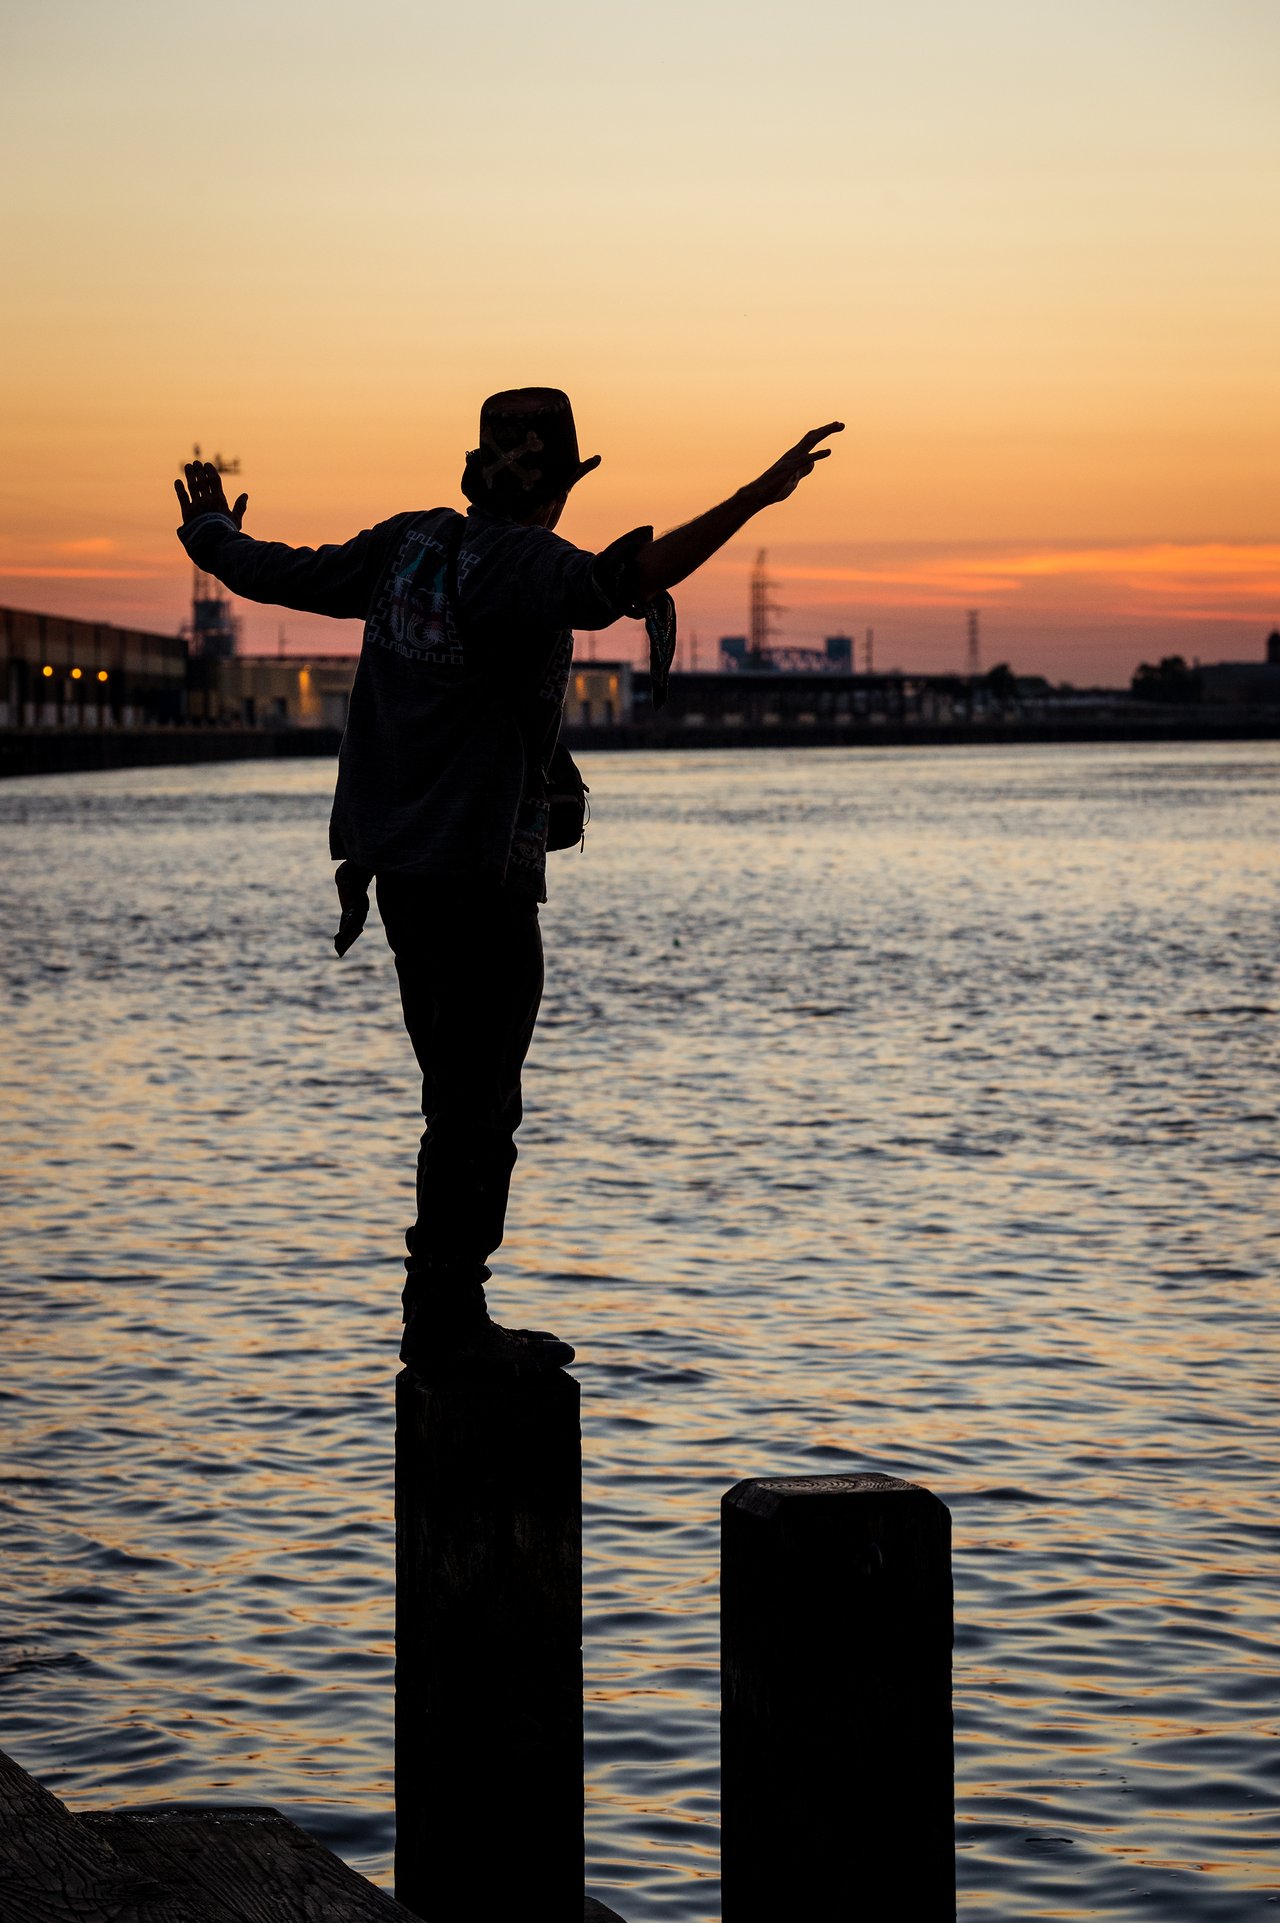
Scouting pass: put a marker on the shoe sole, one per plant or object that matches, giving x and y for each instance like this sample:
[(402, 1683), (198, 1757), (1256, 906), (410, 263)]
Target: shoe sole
[(545, 1359)]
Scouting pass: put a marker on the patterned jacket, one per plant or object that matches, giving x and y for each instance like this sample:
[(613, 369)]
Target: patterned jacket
[(455, 709)]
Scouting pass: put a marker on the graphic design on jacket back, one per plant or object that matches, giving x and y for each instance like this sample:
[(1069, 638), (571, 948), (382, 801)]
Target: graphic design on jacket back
[(412, 616)]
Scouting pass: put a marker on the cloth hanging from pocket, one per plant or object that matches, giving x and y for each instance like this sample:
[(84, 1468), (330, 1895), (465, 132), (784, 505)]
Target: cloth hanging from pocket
[(352, 883)]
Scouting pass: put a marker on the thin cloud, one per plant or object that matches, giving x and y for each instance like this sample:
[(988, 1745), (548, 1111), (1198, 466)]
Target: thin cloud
[(1159, 575), (83, 574)]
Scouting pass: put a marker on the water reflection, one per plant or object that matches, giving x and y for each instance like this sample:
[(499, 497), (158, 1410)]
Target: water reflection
[(909, 1112)]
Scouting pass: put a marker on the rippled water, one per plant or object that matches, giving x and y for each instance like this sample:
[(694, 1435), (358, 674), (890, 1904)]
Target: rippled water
[(912, 1111)]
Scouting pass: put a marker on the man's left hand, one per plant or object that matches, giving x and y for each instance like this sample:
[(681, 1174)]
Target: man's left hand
[(785, 476)]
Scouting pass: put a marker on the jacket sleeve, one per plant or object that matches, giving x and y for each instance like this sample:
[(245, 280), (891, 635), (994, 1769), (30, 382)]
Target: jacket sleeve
[(533, 576), (606, 588), (337, 579)]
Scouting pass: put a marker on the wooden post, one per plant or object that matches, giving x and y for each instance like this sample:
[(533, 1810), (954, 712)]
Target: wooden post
[(836, 1701), (489, 1784)]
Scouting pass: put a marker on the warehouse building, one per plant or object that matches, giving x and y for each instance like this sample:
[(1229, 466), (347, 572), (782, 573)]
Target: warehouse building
[(59, 673), (56, 672)]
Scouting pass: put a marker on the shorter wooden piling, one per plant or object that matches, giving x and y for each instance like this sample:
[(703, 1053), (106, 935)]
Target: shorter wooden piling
[(836, 1736), (489, 1779)]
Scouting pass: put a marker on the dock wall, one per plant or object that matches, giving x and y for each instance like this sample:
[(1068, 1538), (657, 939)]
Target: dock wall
[(38, 751)]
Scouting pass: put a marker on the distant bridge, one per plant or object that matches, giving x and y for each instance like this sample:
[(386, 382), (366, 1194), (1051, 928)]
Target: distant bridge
[(738, 656)]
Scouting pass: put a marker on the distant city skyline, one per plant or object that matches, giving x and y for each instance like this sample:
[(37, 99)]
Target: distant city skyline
[(1041, 611), (1026, 254)]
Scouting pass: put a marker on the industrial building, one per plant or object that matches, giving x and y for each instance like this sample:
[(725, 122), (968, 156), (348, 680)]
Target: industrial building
[(758, 700), (59, 673), (270, 691), (81, 676), (600, 694), (1244, 683)]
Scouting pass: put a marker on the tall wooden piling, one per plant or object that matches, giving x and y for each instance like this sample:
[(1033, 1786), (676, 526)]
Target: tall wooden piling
[(489, 1784), (836, 1740)]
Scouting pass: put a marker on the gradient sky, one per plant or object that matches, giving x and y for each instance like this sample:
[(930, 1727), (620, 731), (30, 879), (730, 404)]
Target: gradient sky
[(1028, 252)]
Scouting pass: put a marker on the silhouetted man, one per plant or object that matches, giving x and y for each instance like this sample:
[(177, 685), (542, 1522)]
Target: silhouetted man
[(442, 790)]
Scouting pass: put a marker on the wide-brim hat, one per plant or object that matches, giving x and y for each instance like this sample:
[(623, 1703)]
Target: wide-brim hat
[(528, 452)]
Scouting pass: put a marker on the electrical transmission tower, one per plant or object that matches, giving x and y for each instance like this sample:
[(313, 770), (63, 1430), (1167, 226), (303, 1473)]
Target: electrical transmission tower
[(763, 609), (974, 666), (214, 628)]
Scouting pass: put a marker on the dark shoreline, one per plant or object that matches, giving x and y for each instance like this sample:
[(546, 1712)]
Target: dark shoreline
[(36, 751)]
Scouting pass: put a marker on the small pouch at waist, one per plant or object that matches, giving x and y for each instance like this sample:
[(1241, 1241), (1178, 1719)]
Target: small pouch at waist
[(568, 810)]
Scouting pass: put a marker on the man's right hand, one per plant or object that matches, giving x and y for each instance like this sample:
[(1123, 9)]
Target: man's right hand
[(206, 496), (786, 474)]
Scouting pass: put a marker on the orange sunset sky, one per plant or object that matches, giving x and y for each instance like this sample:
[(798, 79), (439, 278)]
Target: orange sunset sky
[(1027, 252)]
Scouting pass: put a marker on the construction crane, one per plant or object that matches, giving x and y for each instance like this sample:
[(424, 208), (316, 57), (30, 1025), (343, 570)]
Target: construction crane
[(214, 629)]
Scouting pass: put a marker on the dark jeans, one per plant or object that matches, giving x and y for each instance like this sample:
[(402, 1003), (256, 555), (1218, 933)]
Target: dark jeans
[(469, 959)]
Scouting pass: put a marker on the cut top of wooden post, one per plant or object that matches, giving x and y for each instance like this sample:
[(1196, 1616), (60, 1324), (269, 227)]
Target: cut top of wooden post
[(832, 1551), (764, 1495)]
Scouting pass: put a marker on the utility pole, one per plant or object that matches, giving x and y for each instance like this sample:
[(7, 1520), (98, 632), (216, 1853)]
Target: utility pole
[(870, 645), (974, 667)]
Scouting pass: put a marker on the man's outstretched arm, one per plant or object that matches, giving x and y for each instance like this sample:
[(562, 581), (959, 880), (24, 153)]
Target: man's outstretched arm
[(674, 556), (336, 580)]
